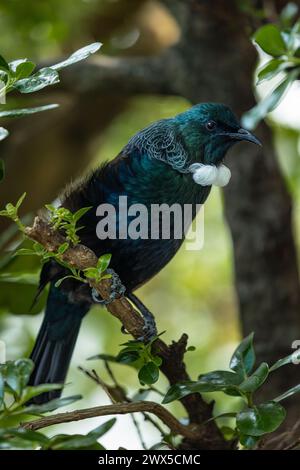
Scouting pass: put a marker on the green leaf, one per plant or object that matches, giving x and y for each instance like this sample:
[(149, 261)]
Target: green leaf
[(103, 262), (3, 132), (13, 113), (260, 420), (62, 248), (243, 358), (251, 118), (41, 79), (293, 358), (28, 435), (216, 381), (219, 379), (148, 374), (157, 360), (51, 405), (33, 391), (269, 70), (78, 214), (2, 168), (20, 201), (258, 377), (21, 68), (16, 375), (103, 357), (127, 357), (228, 433), (92, 273), (269, 38), (248, 441), (81, 54), (288, 393), (99, 431), (76, 442)]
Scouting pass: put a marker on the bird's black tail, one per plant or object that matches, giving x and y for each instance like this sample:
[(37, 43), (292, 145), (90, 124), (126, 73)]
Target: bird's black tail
[(55, 342)]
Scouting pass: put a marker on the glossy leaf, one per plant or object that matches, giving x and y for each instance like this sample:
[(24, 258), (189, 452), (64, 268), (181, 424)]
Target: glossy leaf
[(22, 68), (148, 374), (31, 436), (3, 64), (31, 391), (180, 390), (269, 70), (51, 405), (128, 357), (248, 441), (81, 54), (99, 431), (103, 262), (13, 113), (243, 358), (293, 358), (258, 377), (220, 381), (41, 79), (16, 375), (269, 38), (262, 419), (292, 391), (219, 378), (103, 357), (80, 213), (252, 117)]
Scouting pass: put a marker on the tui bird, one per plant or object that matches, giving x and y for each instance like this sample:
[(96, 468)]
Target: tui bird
[(174, 160)]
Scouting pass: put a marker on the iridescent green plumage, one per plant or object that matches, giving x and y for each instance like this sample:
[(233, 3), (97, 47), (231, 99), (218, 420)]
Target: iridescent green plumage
[(153, 168)]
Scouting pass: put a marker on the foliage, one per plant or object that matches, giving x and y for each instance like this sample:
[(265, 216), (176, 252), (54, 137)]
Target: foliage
[(282, 43), (254, 420), (64, 220), (140, 356), (15, 407), (19, 75)]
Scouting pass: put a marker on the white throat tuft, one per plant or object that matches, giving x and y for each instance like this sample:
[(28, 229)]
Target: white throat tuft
[(210, 175)]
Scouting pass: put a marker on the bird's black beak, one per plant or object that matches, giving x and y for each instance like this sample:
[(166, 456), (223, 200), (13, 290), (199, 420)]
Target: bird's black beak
[(243, 134)]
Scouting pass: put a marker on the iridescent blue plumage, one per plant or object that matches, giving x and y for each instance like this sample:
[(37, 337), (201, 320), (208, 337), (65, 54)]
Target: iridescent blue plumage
[(153, 168)]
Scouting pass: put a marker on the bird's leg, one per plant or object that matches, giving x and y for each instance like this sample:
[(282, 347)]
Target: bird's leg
[(117, 289), (150, 330)]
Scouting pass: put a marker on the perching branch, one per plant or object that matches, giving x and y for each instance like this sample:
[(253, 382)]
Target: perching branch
[(173, 367), (190, 432)]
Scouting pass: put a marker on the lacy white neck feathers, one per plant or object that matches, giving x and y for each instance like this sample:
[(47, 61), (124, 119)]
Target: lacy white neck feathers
[(210, 175)]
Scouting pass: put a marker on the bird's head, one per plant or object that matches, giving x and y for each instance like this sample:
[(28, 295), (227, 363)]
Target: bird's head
[(209, 130)]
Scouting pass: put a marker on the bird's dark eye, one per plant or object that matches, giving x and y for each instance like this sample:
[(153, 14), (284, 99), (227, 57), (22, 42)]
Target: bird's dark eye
[(211, 125)]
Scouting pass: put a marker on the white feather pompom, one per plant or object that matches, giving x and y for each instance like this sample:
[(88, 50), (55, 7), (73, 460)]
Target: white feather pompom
[(208, 175), (223, 176)]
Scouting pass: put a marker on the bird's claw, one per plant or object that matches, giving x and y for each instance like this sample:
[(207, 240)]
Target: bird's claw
[(149, 329), (117, 290)]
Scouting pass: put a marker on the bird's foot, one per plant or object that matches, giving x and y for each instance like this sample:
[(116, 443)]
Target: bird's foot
[(117, 289), (149, 328)]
